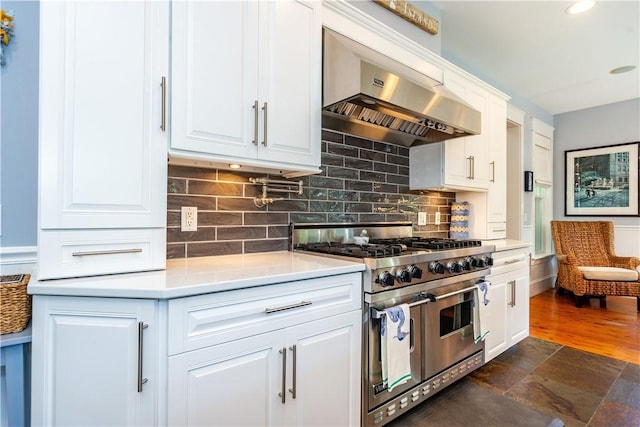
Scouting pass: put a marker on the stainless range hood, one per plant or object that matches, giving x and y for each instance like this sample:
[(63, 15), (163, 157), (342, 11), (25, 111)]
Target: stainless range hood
[(370, 95)]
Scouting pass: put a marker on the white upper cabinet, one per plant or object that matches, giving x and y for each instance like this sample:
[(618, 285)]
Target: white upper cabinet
[(460, 163), (542, 138), (497, 157), (246, 85), (102, 139)]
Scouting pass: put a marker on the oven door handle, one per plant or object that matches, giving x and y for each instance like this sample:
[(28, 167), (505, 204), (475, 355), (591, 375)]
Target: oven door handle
[(377, 314), (450, 294)]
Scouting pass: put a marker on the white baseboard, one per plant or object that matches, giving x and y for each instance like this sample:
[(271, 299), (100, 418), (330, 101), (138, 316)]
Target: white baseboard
[(18, 260)]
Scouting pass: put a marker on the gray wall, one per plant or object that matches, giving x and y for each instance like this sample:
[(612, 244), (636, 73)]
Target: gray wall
[(592, 127), (19, 129)]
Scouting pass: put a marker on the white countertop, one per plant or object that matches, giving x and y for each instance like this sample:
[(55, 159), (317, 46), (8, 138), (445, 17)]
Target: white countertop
[(193, 276), (506, 244)]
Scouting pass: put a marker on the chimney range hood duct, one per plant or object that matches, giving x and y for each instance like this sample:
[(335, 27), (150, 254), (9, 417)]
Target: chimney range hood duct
[(372, 96)]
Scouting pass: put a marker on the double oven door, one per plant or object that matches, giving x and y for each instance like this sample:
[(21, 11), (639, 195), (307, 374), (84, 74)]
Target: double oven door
[(441, 334)]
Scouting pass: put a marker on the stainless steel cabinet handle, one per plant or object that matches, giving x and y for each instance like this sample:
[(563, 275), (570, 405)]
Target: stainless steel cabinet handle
[(283, 394), (141, 327), (255, 122), (511, 261), (493, 171), (473, 167), (292, 390), (163, 122), (512, 303), (111, 252), (470, 176), (264, 108), (287, 307)]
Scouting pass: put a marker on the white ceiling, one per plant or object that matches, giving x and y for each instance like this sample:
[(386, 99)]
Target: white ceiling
[(557, 61)]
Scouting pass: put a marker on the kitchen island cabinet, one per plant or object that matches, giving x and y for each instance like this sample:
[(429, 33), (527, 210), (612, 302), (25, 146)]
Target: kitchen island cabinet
[(246, 81), (168, 347), (102, 147), (509, 295)]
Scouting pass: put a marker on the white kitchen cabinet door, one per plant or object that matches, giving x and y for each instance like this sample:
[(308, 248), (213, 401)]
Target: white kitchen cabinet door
[(304, 375), (102, 146), (214, 76), (325, 372), (94, 361), (509, 296), (290, 81), (466, 162), (518, 313), (497, 155), (456, 164), (231, 384), (246, 84), (496, 341)]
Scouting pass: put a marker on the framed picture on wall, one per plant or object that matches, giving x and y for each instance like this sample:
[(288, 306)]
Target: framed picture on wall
[(602, 181)]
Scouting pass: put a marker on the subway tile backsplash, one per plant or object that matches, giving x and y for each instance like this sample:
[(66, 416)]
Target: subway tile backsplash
[(361, 181)]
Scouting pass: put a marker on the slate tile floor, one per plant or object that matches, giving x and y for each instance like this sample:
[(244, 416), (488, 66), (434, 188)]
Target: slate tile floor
[(537, 383)]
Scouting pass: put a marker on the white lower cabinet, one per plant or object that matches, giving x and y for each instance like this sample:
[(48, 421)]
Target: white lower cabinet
[(509, 295), (283, 354), (94, 361), (286, 354), (304, 375)]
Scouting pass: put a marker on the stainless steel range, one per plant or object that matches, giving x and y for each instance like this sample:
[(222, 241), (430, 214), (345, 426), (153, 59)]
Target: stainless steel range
[(438, 280)]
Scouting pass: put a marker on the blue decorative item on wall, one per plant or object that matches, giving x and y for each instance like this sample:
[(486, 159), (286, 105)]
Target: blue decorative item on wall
[(459, 228)]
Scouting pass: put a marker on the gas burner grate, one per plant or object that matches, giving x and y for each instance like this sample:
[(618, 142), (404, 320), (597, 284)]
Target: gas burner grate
[(353, 250), (428, 243)]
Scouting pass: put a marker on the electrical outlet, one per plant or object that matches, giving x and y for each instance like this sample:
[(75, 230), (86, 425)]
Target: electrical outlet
[(422, 218), (437, 218), (189, 219)]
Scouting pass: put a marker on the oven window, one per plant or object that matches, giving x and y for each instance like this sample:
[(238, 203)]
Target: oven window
[(456, 316)]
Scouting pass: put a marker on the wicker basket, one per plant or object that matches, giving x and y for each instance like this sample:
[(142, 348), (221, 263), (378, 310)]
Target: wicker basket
[(15, 303)]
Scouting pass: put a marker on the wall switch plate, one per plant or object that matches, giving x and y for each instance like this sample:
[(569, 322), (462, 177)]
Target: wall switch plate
[(422, 218), (437, 218), (189, 219)]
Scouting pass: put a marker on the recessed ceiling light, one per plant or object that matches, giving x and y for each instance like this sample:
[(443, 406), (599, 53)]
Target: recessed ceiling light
[(234, 166), (580, 6), (624, 69)]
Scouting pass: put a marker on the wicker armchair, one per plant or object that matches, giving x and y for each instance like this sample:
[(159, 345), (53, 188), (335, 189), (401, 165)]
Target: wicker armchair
[(587, 264)]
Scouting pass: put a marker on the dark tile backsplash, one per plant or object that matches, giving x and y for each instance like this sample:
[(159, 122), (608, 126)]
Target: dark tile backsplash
[(361, 181)]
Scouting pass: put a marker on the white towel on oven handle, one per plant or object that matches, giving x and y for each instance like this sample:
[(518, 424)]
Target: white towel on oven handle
[(395, 332), (480, 311)]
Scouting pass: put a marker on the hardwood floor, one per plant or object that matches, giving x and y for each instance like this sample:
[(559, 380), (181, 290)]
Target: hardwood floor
[(613, 331)]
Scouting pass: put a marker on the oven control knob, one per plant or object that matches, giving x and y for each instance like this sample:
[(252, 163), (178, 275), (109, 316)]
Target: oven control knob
[(473, 261), (480, 262), (436, 267), (404, 275), (488, 260), (465, 263), (386, 279), (454, 267), (416, 272)]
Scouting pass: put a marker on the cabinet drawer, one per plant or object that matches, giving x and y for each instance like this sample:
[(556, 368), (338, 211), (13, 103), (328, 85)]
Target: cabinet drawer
[(496, 230), (204, 320), (509, 260), (77, 253)]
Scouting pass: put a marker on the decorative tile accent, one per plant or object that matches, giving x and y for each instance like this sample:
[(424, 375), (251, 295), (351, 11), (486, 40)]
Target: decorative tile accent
[(361, 181)]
